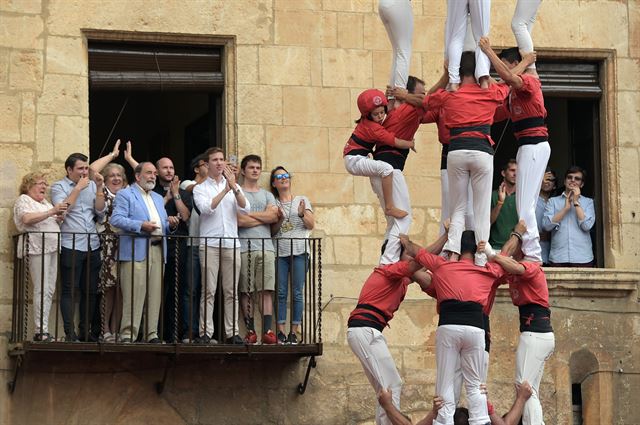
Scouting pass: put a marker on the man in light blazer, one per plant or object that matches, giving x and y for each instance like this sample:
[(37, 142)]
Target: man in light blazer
[(138, 210)]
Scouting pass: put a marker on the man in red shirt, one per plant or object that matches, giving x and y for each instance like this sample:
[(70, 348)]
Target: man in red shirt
[(527, 112), (462, 290), (379, 299)]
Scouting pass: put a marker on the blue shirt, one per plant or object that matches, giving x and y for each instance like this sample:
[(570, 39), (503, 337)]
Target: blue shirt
[(570, 239), (545, 246), (81, 217)]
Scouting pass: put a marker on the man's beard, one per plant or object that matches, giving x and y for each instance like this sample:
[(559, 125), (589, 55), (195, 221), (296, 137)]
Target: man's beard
[(149, 185)]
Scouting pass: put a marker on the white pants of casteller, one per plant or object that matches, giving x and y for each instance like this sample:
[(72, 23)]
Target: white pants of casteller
[(370, 346), (532, 163), (522, 24), (444, 201), (397, 17), (43, 269), (395, 226), (534, 349), (462, 347), (456, 28), (359, 165), (464, 167)]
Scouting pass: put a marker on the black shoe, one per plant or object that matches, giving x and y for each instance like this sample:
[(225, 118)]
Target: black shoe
[(155, 341), (202, 340), (234, 340), (72, 337), (293, 338), (282, 338), (90, 338)]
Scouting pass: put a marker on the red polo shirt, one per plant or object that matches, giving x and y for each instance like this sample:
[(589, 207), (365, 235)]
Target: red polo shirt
[(529, 287)]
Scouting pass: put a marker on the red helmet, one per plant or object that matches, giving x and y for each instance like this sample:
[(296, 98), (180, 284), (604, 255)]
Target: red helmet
[(369, 100)]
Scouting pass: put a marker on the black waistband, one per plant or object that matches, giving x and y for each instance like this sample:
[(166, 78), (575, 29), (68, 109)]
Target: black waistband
[(443, 157), (366, 145), (361, 323), (487, 332), (527, 123), (535, 318), (454, 312), (532, 140), (359, 152), (156, 242), (392, 156), (374, 309), (484, 129), (472, 144)]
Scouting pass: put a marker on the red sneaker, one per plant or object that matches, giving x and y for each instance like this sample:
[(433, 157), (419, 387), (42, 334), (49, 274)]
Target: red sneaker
[(251, 338), (269, 338)]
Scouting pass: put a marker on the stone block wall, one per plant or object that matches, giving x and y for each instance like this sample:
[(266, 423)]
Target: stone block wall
[(295, 71)]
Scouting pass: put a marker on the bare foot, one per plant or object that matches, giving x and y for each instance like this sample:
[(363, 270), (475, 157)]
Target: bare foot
[(395, 212)]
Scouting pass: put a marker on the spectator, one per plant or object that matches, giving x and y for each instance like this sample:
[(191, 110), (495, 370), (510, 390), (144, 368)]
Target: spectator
[(33, 213), (570, 217), (503, 206), (190, 292), (546, 191), (295, 222), (111, 297), (257, 272), (80, 258), (219, 200), (137, 209)]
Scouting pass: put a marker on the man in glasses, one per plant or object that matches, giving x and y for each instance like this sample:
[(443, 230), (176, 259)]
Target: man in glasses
[(570, 217)]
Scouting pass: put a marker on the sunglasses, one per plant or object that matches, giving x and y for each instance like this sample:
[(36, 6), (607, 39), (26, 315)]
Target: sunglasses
[(281, 176), (574, 178), (204, 164)]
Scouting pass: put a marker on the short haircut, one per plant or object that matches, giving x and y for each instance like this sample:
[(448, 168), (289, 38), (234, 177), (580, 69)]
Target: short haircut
[(549, 170), (506, 166), (511, 55), (468, 242), (213, 150), (250, 158), (139, 167), (273, 177), (468, 64), (73, 158), (461, 416), (107, 169), (29, 180), (195, 161), (576, 169), (412, 82)]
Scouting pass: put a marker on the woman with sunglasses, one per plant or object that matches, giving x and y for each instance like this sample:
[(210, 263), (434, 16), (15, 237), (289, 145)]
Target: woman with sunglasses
[(293, 227)]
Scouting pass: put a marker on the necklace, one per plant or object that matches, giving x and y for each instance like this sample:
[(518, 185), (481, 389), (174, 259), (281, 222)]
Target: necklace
[(287, 226)]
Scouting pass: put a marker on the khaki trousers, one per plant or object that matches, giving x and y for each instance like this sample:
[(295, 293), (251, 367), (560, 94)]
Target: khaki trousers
[(43, 269), (133, 278), (227, 261)]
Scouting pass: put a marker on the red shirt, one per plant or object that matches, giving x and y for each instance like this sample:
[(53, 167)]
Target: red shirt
[(529, 287), (371, 133), (460, 280), (469, 106), (528, 102), (437, 116), (384, 290), (403, 121)]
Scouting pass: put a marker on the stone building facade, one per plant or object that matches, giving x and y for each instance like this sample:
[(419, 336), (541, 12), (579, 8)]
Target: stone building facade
[(293, 69)]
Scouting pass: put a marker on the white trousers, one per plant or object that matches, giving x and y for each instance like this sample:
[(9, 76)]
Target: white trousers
[(370, 346), (359, 165), (43, 269), (456, 28), (397, 17), (532, 163), (533, 350), (522, 24), (464, 167), (213, 260), (462, 347), (395, 226), (444, 201)]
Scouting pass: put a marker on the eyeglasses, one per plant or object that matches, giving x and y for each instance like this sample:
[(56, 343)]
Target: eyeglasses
[(204, 164), (574, 178), (282, 176)]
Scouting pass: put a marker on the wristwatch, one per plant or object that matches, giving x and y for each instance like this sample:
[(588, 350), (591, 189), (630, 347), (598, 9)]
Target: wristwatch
[(177, 197)]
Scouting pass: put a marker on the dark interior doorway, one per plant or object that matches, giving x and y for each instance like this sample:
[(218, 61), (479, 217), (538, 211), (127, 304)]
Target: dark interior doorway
[(172, 124)]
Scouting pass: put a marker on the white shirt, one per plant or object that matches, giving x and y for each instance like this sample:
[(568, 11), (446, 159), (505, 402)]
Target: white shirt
[(154, 217), (221, 222), (194, 218)]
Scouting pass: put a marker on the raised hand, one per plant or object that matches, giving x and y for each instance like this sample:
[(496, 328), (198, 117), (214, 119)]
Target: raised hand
[(484, 44), (230, 176), (98, 179), (84, 182), (116, 149), (502, 192), (175, 186), (301, 207), (523, 391)]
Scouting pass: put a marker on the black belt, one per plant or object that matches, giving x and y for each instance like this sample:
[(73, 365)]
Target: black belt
[(156, 242), (472, 144), (358, 152), (532, 140), (374, 309), (528, 123), (366, 145), (484, 129)]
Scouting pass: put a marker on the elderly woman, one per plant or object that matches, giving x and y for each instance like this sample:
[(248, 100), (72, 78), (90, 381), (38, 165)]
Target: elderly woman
[(296, 222), (38, 219), (111, 305)]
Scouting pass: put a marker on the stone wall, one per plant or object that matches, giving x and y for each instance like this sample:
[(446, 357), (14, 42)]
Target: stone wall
[(293, 75)]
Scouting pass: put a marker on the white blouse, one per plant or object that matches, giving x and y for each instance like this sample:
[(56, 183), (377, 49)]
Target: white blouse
[(26, 204)]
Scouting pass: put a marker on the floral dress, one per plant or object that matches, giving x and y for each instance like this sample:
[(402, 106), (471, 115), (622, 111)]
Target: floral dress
[(109, 239)]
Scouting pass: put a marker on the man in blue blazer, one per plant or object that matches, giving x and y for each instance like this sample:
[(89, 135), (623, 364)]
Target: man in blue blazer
[(139, 212)]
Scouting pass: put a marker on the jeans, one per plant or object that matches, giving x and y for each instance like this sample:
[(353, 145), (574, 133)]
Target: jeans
[(80, 269), (190, 293), (297, 265)]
